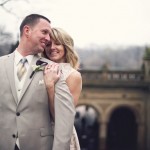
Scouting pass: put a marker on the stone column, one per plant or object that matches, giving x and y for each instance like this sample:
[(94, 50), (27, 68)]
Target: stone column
[(103, 132), (141, 137)]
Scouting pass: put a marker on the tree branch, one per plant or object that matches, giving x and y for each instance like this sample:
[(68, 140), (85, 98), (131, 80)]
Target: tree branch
[(3, 3), (3, 6)]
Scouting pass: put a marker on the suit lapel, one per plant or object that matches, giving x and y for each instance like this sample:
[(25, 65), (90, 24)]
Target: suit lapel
[(10, 73), (28, 79)]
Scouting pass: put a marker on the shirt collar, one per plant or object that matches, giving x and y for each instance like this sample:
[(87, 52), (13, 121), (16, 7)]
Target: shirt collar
[(18, 57)]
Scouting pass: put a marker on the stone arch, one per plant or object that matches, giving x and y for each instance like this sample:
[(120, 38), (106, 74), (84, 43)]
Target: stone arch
[(122, 129), (111, 108), (87, 126), (96, 107)]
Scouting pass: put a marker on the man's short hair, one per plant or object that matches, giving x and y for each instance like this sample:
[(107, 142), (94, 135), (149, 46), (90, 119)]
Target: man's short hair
[(31, 20)]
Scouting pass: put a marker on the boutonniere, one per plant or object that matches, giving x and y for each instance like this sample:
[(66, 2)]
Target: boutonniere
[(38, 67)]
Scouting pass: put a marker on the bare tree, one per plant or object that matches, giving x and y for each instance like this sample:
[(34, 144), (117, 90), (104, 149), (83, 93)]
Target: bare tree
[(5, 36), (7, 44), (3, 5)]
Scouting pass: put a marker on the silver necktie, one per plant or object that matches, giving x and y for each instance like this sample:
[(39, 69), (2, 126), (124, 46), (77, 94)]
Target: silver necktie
[(21, 68)]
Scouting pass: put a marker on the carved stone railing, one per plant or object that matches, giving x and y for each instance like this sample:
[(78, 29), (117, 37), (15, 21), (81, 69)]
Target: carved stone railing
[(122, 78)]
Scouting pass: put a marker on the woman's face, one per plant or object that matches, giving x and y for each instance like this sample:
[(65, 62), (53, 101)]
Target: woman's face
[(55, 52)]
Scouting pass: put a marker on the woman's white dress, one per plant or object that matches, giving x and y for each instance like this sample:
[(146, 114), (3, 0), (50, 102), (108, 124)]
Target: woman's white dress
[(67, 70), (74, 145)]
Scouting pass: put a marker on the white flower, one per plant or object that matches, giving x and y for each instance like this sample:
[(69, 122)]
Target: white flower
[(37, 68)]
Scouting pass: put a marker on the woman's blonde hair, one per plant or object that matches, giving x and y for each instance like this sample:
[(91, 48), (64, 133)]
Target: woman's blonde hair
[(62, 37)]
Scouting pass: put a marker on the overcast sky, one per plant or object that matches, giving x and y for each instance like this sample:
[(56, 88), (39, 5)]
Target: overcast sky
[(100, 22)]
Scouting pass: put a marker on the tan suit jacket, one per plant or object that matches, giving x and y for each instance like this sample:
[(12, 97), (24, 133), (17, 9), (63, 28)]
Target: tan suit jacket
[(30, 120)]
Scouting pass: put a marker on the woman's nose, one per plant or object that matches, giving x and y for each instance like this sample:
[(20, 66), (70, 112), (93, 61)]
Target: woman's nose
[(52, 45)]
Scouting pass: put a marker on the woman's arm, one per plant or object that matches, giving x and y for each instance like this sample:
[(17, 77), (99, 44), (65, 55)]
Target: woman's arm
[(74, 82), (51, 76)]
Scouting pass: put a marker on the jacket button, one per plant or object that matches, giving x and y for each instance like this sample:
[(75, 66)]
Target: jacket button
[(18, 114), (14, 136)]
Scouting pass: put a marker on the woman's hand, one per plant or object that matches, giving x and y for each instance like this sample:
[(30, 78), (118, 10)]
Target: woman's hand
[(51, 74)]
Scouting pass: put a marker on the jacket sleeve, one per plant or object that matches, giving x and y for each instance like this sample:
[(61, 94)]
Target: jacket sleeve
[(64, 116)]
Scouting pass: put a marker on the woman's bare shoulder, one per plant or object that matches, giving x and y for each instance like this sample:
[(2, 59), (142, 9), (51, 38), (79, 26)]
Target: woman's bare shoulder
[(75, 75)]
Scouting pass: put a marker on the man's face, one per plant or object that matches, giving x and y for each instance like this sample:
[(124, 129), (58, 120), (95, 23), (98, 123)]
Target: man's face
[(39, 36)]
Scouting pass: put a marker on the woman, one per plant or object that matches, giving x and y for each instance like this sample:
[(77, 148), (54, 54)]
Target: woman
[(61, 50)]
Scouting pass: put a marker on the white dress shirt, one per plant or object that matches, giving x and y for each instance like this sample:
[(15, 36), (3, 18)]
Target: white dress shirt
[(19, 84)]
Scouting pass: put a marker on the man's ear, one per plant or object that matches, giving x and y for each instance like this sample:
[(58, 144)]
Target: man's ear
[(26, 30)]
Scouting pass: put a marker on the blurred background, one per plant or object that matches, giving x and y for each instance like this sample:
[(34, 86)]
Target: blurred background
[(112, 39)]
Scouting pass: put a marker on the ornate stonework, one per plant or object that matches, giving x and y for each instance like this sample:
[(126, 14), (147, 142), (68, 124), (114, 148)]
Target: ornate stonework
[(111, 90)]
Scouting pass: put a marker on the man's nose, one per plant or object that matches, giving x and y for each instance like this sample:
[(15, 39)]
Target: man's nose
[(48, 37)]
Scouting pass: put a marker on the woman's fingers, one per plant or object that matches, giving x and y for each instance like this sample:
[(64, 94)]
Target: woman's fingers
[(51, 73)]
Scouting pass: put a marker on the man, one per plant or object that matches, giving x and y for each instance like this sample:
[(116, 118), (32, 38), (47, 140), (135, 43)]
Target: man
[(24, 110)]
